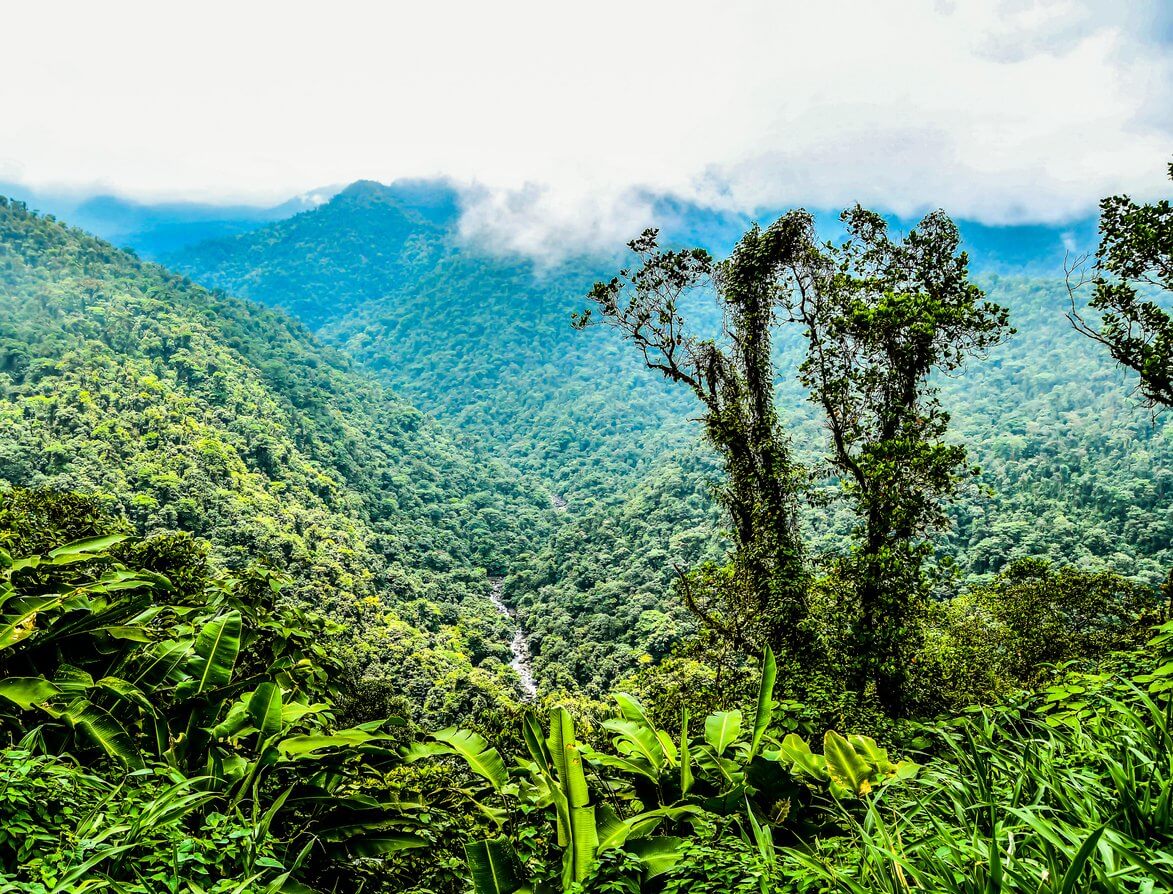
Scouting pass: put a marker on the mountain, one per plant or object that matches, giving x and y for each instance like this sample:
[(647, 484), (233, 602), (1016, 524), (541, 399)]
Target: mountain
[(158, 229), (484, 343), (369, 226), (479, 341), (186, 409), (1014, 249)]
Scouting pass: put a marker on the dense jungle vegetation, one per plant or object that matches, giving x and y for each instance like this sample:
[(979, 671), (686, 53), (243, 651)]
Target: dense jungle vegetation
[(1071, 469), (180, 409), (861, 591)]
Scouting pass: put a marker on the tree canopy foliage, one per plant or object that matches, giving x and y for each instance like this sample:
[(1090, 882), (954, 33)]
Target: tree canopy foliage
[(1070, 471), (1132, 279)]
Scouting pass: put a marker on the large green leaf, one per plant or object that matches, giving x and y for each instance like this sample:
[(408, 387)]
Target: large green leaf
[(643, 824), (481, 758), (603, 759), (567, 759), (722, 729), (27, 692), (631, 709), (534, 742), (87, 547), (574, 777), (216, 650), (659, 744), (134, 632), (634, 740), (765, 707), (127, 692), (378, 844), (73, 679), (658, 854), (291, 712), (846, 766), (494, 866), (795, 751), (611, 829), (162, 662), (295, 746), (585, 837), (264, 709), (106, 732), (234, 721), (561, 734), (20, 619), (763, 837)]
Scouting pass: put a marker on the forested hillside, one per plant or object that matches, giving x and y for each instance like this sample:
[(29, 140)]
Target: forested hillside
[(181, 409), (479, 341), (485, 343)]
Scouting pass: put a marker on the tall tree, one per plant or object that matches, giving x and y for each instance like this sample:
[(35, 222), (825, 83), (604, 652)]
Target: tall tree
[(880, 316), (761, 598), (1133, 272)]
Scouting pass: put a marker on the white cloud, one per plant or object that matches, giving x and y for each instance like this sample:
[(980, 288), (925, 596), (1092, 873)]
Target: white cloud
[(563, 118)]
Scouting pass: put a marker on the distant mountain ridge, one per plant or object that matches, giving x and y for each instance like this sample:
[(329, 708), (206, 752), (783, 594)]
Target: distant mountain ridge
[(153, 229), (391, 233), (481, 341), (157, 230)]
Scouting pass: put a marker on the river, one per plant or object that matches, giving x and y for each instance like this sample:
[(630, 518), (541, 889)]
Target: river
[(519, 646)]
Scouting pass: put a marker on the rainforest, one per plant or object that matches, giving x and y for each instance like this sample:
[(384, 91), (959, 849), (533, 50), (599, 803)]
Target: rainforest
[(792, 519)]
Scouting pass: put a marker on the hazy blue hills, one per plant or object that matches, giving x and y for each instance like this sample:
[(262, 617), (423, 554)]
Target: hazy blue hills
[(154, 229)]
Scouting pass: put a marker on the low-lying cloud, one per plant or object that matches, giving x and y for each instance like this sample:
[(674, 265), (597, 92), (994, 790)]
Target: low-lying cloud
[(563, 122)]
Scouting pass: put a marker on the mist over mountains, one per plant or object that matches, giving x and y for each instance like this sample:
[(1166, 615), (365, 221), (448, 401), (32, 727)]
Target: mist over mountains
[(154, 230)]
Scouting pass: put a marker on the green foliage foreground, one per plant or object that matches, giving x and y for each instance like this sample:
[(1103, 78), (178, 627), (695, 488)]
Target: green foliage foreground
[(1063, 790), (167, 728), (162, 740)]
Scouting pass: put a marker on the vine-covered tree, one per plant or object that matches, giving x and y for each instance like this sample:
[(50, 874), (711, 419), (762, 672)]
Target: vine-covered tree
[(879, 317), (1132, 272), (761, 598)]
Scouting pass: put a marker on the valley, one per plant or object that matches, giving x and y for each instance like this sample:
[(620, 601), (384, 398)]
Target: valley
[(484, 343), (518, 645), (613, 448)]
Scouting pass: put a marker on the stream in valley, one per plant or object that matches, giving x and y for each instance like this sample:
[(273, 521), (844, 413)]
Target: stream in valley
[(519, 645)]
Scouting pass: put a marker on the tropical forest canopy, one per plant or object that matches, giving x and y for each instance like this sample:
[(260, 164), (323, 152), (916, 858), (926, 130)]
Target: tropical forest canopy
[(838, 561), (1072, 469)]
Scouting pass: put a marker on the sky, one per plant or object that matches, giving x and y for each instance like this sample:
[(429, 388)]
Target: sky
[(562, 121)]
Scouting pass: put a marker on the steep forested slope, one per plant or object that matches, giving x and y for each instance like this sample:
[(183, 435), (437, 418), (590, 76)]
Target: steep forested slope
[(1072, 469), (190, 410), (480, 341)]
